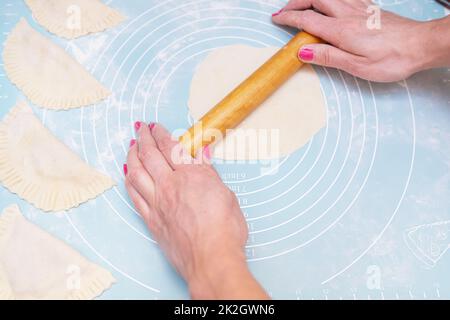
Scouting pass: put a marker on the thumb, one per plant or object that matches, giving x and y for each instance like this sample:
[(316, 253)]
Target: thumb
[(329, 56)]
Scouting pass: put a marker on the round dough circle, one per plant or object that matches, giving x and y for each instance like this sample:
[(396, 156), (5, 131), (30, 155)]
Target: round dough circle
[(280, 126)]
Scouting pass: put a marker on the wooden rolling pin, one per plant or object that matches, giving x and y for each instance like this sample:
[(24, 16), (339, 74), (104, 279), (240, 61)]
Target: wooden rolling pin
[(250, 94)]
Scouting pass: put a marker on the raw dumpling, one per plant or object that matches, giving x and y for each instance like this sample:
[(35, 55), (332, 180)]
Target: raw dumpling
[(41, 169), (74, 18), (36, 265), (47, 74)]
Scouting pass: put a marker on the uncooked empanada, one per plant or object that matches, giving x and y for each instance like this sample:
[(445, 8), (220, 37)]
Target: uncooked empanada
[(41, 169), (47, 74), (74, 18), (36, 265)]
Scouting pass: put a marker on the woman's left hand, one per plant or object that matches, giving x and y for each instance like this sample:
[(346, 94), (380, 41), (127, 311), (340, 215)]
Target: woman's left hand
[(366, 41)]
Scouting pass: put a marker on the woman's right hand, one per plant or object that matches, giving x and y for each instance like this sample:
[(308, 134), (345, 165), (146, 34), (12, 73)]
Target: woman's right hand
[(366, 41), (194, 217)]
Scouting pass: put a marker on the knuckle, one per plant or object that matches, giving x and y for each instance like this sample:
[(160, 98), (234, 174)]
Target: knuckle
[(340, 36), (305, 18), (308, 14), (165, 144), (134, 176), (155, 226), (144, 154), (145, 212), (326, 57), (165, 185), (318, 3), (186, 176), (354, 66)]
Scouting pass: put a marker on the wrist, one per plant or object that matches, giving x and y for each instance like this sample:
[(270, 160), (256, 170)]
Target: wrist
[(211, 272), (432, 45), (225, 277)]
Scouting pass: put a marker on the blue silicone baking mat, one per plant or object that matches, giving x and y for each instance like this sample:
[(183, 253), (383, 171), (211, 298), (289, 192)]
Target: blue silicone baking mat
[(362, 211)]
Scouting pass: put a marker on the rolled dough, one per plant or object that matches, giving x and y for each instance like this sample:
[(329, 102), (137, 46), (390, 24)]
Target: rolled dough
[(283, 124)]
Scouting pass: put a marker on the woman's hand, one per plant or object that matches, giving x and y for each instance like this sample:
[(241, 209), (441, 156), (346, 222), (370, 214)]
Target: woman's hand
[(387, 49), (193, 216)]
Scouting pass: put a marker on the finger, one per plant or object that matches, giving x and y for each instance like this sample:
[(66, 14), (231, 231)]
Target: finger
[(139, 203), (329, 56), (204, 156), (172, 151), (324, 27), (331, 8), (139, 178), (151, 157)]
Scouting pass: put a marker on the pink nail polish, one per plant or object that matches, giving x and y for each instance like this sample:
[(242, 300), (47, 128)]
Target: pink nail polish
[(137, 125), (306, 54), (152, 126), (277, 13), (125, 169), (132, 142), (207, 152)]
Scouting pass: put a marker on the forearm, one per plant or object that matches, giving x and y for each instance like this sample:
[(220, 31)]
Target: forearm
[(434, 44), (227, 279)]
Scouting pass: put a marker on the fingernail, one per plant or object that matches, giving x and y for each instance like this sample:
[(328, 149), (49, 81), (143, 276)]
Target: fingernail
[(137, 125), (277, 13), (152, 126), (125, 169), (132, 142), (306, 54), (207, 152)]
